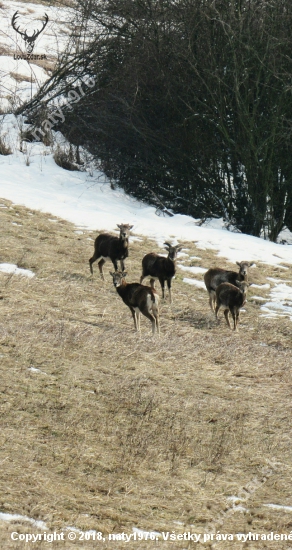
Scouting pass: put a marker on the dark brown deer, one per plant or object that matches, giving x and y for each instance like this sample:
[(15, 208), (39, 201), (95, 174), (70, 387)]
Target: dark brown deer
[(161, 268), (232, 298), (110, 247), (29, 40), (139, 299), (215, 276)]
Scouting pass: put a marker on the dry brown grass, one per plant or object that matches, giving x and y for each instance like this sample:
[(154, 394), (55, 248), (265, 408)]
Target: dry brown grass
[(21, 78), (4, 148), (119, 430)]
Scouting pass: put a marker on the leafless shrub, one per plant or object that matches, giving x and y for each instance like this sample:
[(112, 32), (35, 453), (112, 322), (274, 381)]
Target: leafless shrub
[(63, 159), (4, 148)]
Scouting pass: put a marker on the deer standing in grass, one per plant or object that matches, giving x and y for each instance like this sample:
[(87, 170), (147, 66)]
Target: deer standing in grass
[(161, 268), (215, 276), (139, 299), (110, 247), (232, 298)]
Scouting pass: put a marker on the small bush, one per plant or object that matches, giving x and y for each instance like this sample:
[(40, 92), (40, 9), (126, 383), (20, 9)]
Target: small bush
[(27, 135), (4, 149), (64, 159)]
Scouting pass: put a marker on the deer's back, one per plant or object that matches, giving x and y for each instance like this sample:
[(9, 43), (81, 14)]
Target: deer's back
[(216, 276), (106, 245), (150, 263), (227, 294), (156, 265), (135, 294)]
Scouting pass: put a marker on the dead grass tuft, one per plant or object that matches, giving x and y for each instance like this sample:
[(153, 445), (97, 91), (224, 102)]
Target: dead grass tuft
[(20, 78), (116, 430), (64, 159), (4, 148)]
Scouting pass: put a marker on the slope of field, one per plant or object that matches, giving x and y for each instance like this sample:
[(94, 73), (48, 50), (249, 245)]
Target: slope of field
[(108, 430)]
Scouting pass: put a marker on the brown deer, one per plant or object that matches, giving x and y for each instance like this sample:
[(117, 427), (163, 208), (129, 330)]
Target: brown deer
[(161, 268), (232, 298), (139, 299), (110, 247), (215, 276)]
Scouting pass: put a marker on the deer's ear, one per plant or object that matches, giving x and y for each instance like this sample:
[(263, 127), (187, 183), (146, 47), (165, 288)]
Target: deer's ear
[(238, 263), (118, 226), (112, 274), (131, 226), (124, 273), (251, 264)]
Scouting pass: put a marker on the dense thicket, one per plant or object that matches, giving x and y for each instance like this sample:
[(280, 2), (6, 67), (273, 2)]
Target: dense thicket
[(192, 104)]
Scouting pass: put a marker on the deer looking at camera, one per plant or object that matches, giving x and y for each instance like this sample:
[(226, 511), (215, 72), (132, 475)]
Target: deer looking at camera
[(215, 276), (110, 247), (139, 299), (161, 268)]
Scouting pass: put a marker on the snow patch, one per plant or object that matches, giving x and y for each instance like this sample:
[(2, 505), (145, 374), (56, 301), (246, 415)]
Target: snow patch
[(192, 269), (279, 507), (253, 285), (12, 268), (17, 517), (280, 300), (277, 281), (33, 369), (194, 282)]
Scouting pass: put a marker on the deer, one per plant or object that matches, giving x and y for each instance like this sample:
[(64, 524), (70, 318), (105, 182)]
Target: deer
[(215, 276), (232, 298), (29, 40), (139, 299), (110, 247), (161, 268)]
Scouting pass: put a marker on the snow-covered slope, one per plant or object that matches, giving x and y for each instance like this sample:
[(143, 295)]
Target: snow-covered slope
[(88, 201), (19, 79)]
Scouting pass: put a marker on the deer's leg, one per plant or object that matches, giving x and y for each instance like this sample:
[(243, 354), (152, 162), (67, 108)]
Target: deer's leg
[(100, 265), (212, 300), (236, 319), (233, 313), (226, 315), (150, 317), (122, 264), (161, 280), (138, 316), (216, 311), (157, 323), (169, 289), (134, 317), (92, 260)]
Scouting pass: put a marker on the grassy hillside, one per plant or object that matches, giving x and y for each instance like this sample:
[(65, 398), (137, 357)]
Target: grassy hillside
[(118, 430)]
